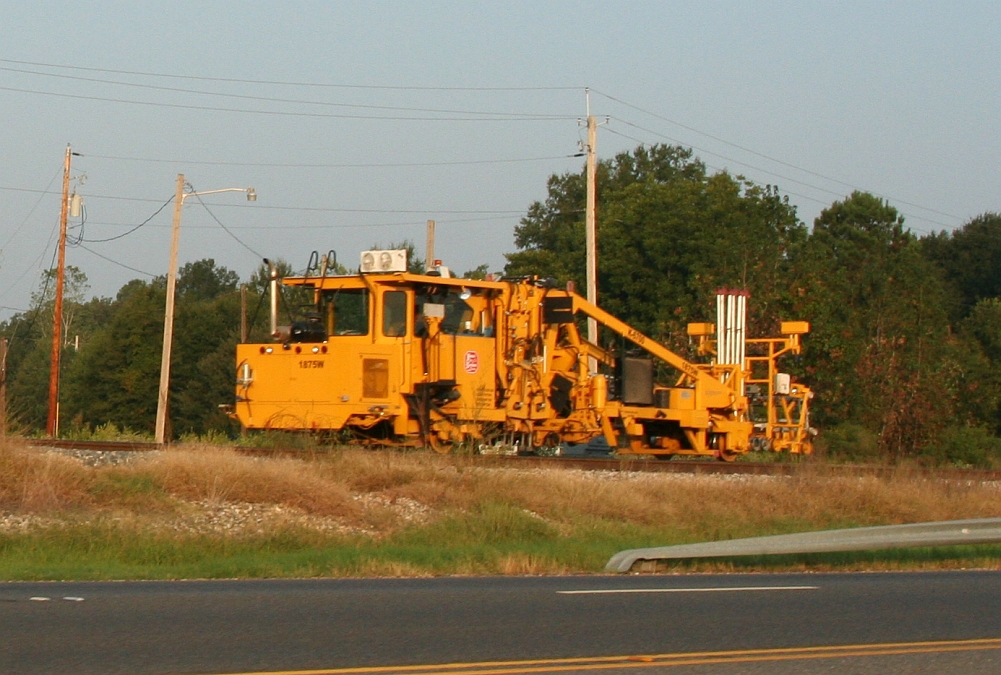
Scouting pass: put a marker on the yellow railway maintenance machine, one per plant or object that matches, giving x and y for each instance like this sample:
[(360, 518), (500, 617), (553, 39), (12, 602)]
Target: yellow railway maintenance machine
[(500, 366)]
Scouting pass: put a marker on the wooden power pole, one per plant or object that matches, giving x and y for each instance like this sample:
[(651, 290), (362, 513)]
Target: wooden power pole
[(590, 226), (243, 314), (429, 251), (168, 318), (52, 425), (3, 388)]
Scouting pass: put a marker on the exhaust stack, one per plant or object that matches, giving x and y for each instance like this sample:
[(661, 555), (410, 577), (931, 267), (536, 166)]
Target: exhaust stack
[(731, 327), (273, 287)]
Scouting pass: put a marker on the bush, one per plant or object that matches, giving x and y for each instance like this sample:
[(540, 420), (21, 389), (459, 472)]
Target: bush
[(966, 446), (108, 431), (849, 442)]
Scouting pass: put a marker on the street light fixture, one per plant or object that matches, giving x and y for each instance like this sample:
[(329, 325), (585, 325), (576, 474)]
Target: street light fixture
[(168, 319)]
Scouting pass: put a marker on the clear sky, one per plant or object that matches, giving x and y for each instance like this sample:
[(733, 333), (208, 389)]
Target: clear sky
[(358, 121)]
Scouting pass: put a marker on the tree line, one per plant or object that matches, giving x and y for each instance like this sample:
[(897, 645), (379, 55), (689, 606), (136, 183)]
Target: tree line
[(905, 346), (112, 348), (903, 355)]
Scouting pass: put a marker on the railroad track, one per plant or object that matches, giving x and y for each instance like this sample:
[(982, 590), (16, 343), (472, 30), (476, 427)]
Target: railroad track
[(589, 463)]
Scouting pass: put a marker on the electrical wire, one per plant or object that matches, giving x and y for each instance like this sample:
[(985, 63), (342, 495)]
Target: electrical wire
[(405, 223), (318, 209), (288, 113), (359, 165), (714, 167), (226, 229), (115, 262), (32, 210), (125, 234), (788, 192), (78, 239), (735, 161), (719, 168), (41, 298), (768, 157), (757, 168), (283, 83), (269, 99)]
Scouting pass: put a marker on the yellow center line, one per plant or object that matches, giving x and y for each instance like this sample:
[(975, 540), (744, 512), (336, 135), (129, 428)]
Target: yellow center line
[(659, 660)]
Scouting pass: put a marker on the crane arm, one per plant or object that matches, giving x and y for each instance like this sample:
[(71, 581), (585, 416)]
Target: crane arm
[(714, 394)]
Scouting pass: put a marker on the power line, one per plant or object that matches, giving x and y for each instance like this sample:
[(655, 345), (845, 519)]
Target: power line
[(287, 113), (719, 168), (32, 210), (406, 223), (285, 83), (729, 159), (757, 168), (318, 209), (769, 157), (45, 286), (270, 99), (125, 234), (226, 229), (344, 165), (115, 262)]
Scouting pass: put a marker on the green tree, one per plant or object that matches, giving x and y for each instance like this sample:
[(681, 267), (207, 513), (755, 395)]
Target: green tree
[(971, 259), (116, 375), (881, 352), (30, 336), (980, 389), (669, 236), (202, 280)]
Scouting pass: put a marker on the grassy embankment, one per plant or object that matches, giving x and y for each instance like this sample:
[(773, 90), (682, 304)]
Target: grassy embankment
[(204, 512)]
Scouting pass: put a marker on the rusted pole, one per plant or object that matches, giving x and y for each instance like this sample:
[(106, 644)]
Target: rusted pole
[(52, 425), (429, 249), (3, 388), (243, 314)]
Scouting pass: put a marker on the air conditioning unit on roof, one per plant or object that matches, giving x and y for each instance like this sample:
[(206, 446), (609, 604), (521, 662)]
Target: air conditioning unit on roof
[(382, 262)]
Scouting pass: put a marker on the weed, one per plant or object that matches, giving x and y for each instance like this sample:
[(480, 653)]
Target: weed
[(365, 512)]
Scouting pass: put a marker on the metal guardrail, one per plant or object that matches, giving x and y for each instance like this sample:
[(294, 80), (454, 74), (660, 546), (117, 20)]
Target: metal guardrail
[(943, 533)]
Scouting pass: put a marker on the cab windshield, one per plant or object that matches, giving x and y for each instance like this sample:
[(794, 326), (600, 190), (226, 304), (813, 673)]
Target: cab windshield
[(345, 311)]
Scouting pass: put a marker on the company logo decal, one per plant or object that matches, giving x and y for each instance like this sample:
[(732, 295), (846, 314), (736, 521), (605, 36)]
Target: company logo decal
[(471, 363)]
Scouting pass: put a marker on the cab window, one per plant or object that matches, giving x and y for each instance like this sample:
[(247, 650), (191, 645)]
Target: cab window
[(394, 314), (345, 311)]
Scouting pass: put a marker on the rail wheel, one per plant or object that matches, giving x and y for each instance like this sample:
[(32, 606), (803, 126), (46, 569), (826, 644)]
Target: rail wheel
[(550, 446), (439, 445), (720, 449)]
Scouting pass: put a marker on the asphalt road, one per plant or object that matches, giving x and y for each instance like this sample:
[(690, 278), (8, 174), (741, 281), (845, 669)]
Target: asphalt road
[(875, 623)]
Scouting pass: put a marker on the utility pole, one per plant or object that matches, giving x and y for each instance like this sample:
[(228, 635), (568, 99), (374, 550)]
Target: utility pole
[(273, 290), (429, 251), (591, 225), (243, 314), (52, 424), (168, 319), (3, 388)]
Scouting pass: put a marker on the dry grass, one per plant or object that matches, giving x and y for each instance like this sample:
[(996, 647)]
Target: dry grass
[(39, 482), (462, 518), (223, 475)]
